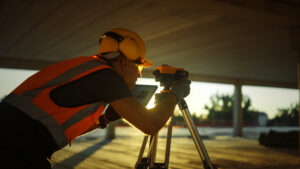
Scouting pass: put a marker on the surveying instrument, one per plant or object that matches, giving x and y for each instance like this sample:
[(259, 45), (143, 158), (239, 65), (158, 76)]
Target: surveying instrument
[(166, 75)]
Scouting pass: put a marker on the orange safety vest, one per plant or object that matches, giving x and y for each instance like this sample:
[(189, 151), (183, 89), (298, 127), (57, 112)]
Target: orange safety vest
[(64, 123)]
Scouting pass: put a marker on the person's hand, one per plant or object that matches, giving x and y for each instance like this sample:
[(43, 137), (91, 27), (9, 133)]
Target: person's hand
[(109, 116), (181, 88)]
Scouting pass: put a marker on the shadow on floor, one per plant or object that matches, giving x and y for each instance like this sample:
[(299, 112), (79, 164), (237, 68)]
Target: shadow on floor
[(75, 159)]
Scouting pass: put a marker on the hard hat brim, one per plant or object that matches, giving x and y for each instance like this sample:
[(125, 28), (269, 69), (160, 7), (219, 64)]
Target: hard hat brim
[(147, 63)]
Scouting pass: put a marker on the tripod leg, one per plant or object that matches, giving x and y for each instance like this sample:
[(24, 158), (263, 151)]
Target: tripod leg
[(142, 151), (147, 162), (168, 143), (153, 151), (195, 134)]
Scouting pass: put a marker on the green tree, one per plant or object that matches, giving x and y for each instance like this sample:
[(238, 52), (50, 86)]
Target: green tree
[(178, 120), (286, 116), (196, 119), (220, 111)]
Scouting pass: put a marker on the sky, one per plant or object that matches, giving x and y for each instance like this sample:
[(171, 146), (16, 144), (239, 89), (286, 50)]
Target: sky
[(264, 99)]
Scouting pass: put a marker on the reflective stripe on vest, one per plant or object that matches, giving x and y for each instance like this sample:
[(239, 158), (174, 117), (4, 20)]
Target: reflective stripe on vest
[(60, 130)]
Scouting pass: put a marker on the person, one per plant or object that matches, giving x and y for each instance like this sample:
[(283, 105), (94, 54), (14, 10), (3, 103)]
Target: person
[(67, 99)]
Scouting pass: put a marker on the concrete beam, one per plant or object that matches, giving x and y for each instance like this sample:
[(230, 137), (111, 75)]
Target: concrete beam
[(232, 80), (280, 8), (39, 64), (17, 63)]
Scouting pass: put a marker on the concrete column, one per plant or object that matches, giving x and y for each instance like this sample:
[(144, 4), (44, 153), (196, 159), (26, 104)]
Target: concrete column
[(110, 130), (295, 44), (237, 111), (299, 98)]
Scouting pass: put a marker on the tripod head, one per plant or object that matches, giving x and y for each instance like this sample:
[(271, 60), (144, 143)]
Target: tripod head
[(166, 75)]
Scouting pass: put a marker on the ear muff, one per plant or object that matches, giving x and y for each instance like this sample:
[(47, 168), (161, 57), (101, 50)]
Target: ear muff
[(127, 45)]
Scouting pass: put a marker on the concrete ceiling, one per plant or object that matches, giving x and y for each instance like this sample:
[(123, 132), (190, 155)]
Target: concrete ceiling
[(227, 41)]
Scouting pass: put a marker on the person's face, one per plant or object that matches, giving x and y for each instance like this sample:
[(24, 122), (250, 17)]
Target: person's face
[(132, 71)]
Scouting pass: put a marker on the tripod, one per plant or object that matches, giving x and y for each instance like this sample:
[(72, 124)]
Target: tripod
[(149, 161)]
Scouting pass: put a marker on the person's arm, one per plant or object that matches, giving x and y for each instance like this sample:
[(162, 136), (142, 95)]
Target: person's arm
[(108, 86), (151, 121), (148, 121), (104, 85)]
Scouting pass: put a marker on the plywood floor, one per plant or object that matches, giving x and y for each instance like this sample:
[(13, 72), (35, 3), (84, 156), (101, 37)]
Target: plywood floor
[(226, 152)]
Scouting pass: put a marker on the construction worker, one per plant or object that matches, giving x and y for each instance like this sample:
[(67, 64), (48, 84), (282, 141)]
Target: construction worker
[(64, 100)]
